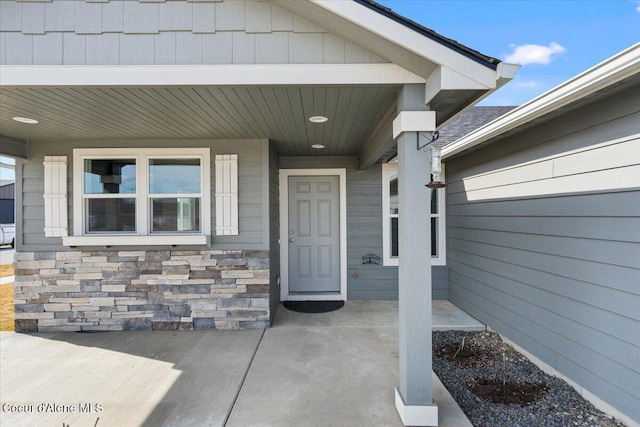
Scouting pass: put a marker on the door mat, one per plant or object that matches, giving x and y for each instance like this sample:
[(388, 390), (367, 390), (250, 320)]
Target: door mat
[(313, 306)]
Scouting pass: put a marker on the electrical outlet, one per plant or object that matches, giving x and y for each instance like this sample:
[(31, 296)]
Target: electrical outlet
[(354, 274)]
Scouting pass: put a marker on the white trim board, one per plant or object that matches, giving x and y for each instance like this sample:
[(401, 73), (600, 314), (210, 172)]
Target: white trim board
[(205, 75), (284, 238), (414, 415)]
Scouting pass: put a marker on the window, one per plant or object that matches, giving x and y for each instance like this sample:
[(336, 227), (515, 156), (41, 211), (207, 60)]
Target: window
[(390, 218), (141, 196)]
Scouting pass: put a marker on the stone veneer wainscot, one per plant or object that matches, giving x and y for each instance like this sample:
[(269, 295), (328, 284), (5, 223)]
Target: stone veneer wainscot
[(141, 290)]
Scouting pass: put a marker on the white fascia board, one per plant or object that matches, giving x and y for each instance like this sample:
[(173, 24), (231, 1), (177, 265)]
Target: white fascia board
[(414, 121), (205, 75), (607, 73), (409, 39)]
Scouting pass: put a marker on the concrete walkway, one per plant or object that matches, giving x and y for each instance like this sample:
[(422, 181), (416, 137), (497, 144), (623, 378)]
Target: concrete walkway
[(333, 369)]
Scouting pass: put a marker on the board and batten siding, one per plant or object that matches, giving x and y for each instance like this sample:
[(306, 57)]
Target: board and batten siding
[(364, 230), (253, 179), (132, 32), (543, 231)]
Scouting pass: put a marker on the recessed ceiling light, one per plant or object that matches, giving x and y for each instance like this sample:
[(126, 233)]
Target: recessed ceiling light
[(25, 120), (318, 119), (317, 146)]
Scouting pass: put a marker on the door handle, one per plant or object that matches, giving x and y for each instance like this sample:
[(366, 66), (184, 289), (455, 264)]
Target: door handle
[(291, 240)]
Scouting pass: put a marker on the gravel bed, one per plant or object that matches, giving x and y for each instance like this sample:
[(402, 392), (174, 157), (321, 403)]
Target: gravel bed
[(481, 358)]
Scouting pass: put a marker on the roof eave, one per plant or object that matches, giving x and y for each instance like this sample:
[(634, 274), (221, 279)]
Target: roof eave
[(431, 34), (603, 75)]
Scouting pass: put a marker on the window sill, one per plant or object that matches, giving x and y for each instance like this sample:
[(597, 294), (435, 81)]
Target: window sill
[(158, 240), (393, 262)]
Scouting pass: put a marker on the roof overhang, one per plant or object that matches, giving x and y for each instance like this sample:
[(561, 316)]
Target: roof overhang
[(602, 76), (260, 101), (456, 77)]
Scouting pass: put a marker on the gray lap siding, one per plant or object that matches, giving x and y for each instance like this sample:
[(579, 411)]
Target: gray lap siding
[(555, 270)]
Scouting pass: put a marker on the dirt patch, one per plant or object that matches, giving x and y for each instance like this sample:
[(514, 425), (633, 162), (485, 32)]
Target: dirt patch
[(464, 356), (6, 307), (507, 393), (6, 270)]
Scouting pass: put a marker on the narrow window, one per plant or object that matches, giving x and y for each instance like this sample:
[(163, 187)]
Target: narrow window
[(391, 217)]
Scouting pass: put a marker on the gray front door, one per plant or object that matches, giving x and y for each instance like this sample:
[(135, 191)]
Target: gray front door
[(314, 234)]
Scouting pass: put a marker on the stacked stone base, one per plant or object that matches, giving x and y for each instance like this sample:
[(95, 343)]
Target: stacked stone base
[(141, 290)]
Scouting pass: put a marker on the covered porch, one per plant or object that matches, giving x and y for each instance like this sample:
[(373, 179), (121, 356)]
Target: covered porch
[(273, 84), (335, 368)]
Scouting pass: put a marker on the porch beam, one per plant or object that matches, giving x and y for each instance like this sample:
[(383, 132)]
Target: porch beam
[(13, 147), (414, 396), (206, 75), (379, 142), (445, 79)]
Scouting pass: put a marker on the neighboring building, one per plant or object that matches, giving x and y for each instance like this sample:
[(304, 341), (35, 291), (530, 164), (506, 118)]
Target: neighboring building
[(7, 202), (543, 228), (181, 175)]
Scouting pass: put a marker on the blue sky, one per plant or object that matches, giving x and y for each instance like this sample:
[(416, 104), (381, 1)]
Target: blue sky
[(553, 40)]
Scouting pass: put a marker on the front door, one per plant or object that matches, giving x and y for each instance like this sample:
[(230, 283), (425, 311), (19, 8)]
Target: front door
[(314, 234)]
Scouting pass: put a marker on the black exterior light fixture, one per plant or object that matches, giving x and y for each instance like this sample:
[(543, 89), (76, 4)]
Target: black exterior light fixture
[(436, 169)]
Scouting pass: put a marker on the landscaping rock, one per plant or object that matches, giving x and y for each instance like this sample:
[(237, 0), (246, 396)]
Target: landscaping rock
[(487, 361)]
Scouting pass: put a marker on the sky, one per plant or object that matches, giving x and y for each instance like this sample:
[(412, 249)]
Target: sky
[(553, 40), (7, 173)]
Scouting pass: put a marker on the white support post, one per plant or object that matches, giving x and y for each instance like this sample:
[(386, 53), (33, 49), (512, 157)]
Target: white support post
[(414, 396)]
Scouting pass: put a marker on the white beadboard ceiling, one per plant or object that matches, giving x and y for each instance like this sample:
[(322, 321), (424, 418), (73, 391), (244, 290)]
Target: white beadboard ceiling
[(279, 113)]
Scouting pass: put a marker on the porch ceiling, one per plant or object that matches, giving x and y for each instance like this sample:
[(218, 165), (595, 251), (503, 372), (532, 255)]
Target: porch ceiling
[(279, 113)]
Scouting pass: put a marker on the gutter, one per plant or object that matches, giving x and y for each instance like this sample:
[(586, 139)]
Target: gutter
[(609, 72)]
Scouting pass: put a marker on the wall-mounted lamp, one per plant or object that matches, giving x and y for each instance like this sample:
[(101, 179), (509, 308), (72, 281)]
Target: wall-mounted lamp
[(436, 169)]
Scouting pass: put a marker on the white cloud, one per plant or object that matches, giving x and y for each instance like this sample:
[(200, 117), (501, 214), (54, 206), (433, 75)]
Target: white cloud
[(534, 53), (528, 83)]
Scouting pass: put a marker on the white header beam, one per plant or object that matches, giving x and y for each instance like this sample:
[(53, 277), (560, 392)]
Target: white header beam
[(205, 75)]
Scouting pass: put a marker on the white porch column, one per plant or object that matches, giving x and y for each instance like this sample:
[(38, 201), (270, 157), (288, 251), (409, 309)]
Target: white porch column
[(414, 396)]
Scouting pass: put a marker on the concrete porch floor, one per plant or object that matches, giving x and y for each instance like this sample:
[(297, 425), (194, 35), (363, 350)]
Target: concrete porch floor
[(335, 369)]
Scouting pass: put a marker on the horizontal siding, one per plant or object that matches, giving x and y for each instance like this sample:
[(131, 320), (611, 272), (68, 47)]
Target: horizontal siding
[(364, 231), (250, 206), (172, 32), (544, 240)]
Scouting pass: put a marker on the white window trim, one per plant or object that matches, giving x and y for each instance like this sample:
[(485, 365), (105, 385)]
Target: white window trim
[(387, 259), (441, 259), (142, 237)]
